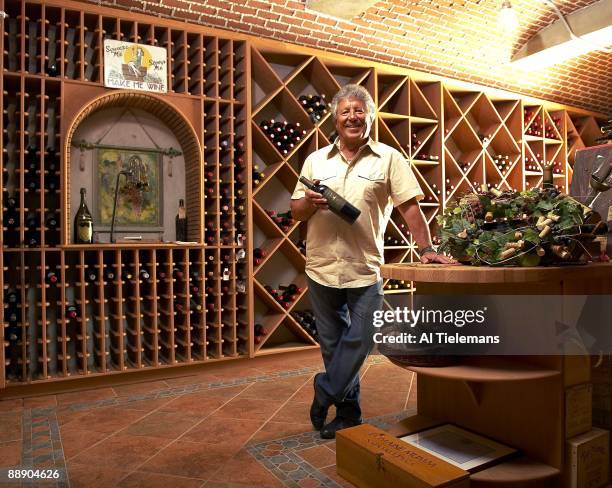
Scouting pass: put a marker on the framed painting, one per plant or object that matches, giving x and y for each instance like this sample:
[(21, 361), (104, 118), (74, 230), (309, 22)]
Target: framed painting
[(140, 195)]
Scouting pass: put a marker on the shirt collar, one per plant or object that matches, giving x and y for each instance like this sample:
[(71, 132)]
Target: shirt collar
[(371, 144)]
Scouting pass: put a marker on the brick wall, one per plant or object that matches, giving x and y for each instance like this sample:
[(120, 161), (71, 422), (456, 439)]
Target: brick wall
[(453, 38)]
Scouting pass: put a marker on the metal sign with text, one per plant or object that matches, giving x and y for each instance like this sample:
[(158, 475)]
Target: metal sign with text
[(135, 66)]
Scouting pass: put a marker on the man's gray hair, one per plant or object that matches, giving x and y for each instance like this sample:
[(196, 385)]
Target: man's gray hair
[(354, 91)]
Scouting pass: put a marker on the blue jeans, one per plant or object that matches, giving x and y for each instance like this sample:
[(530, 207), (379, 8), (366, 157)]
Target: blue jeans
[(344, 319)]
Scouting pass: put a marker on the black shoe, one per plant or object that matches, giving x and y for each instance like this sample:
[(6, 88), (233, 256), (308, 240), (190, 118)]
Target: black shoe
[(339, 423), (318, 411)]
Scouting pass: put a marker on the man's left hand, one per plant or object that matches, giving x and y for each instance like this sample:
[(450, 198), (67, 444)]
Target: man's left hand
[(434, 257)]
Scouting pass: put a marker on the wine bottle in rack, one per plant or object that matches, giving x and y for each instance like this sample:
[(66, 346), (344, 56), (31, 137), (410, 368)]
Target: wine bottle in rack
[(284, 220), (32, 179), (91, 274), (51, 221), (12, 44), (51, 277), (12, 336), (12, 315), (11, 214), (177, 273), (70, 53), (83, 223), (307, 320), (71, 312), (315, 106), (181, 222), (32, 235), (52, 67), (144, 274), (52, 182), (240, 286), (12, 298), (126, 275), (32, 48), (259, 332), (258, 255), (258, 176), (88, 55), (109, 274)]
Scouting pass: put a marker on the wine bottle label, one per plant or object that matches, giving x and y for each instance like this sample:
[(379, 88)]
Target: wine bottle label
[(85, 231)]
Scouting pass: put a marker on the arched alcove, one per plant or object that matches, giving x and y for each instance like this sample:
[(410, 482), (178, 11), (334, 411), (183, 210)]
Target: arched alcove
[(174, 120)]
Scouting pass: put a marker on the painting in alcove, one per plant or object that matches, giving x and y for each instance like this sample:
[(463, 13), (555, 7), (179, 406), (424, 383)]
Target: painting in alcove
[(140, 197)]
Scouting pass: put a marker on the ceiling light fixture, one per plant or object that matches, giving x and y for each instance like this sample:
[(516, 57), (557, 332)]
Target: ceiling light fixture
[(507, 19), (582, 31)]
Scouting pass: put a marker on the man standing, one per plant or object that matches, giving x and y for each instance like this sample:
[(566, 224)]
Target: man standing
[(343, 260)]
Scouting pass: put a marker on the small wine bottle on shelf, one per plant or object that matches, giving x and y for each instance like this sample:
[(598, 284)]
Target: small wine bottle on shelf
[(83, 223), (181, 222)]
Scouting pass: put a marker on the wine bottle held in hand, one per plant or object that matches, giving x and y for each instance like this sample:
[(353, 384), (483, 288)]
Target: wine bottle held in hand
[(337, 204)]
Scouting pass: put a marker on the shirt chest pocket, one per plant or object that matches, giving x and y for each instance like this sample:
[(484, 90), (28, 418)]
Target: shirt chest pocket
[(372, 184), (326, 176)]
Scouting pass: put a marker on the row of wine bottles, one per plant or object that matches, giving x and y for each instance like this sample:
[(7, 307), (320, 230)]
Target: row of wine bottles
[(283, 135), (308, 322), (315, 106), (285, 295), (51, 52), (305, 318), (284, 220), (535, 126)]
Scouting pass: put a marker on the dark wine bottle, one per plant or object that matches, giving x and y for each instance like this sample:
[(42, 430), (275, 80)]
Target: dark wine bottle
[(51, 277), (109, 274), (83, 223), (71, 312), (11, 215), (181, 222), (126, 275), (337, 204), (12, 297), (51, 221), (144, 274), (91, 274)]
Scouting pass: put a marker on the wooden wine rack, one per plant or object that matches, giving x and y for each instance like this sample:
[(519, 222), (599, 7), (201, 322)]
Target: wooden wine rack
[(221, 85)]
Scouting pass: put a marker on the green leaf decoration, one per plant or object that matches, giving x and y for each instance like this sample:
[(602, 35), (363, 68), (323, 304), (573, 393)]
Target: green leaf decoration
[(515, 224)]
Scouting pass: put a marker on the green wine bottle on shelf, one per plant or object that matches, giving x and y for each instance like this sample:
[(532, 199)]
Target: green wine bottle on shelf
[(83, 223), (181, 222)]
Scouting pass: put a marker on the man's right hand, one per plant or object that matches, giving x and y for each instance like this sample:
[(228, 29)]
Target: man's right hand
[(316, 199)]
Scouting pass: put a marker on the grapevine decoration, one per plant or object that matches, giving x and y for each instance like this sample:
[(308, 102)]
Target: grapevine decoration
[(527, 228)]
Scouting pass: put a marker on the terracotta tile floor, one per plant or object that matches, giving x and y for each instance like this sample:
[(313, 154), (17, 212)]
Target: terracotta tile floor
[(240, 425)]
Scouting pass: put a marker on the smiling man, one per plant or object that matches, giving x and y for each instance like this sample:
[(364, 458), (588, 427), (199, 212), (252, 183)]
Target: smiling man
[(343, 260)]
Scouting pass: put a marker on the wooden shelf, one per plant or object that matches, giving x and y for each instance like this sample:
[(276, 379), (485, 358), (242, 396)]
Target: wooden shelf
[(521, 471), (487, 370), (434, 273)]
